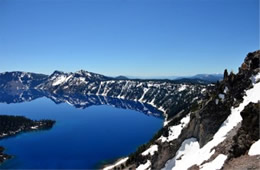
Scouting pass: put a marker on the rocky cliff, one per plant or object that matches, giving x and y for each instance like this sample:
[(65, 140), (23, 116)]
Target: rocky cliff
[(216, 133)]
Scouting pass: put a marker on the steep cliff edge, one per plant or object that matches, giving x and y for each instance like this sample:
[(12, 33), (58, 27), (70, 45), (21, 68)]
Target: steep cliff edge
[(213, 134)]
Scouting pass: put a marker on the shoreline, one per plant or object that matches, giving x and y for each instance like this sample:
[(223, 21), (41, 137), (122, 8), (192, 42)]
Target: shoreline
[(121, 160), (116, 163), (20, 124), (3, 156)]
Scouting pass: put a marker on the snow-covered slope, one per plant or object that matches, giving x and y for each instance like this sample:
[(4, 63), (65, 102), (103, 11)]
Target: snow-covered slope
[(168, 96), (221, 132), (190, 152), (20, 80)]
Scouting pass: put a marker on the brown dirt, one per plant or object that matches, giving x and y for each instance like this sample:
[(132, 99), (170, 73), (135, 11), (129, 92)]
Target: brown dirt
[(244, 162)]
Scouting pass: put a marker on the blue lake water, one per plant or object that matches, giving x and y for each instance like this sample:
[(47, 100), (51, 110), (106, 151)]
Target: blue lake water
[(81, 138)]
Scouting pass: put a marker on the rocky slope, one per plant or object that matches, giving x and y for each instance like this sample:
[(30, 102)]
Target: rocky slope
[(20, 80), (168, 96), (216, 133)]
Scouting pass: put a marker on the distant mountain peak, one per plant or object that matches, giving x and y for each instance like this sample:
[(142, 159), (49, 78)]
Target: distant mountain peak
[(121, 77)]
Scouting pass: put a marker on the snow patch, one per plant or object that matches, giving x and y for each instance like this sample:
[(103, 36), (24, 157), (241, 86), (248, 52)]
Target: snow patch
[(190, 152), (151, 150), (216, 101), (59, 80), (34, 127), (116, 164), (226, 90), (144, 166), (222, 97), (70, 76), (216, 164), (184, 157), (255, 78), (182, 88), (254, 149), (175, 131), (145, 91)]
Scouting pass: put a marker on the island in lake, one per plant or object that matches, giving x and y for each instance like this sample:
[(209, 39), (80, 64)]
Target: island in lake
[(12, 125)]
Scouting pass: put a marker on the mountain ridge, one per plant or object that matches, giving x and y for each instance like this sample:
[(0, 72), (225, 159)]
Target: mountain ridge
[(158, 93), (211, 78), (203, 117)]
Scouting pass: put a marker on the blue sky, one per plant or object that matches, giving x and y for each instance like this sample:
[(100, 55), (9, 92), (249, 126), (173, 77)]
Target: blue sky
[(127, 37)]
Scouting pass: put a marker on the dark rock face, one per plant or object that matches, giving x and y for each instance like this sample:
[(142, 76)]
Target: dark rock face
[(210, 117), (248, 132)]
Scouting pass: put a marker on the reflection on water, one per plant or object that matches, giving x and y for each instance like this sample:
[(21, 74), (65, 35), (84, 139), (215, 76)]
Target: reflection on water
[(19, 96), (81, 138)]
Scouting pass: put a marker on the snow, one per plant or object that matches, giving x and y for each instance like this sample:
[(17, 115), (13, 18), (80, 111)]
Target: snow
[(217, 163), (175, 131), (59, 80), (221, 96), (144, 166), (149, 84), (183, 87), (161, 108), (145, 91), (140, 85), (3, 134), (216, 101), (204, 89), (255, 78), (82, 79), (152, 103), (88, 74), (195, 98), (151, 150), (99, 88), (184, 157), (105, 90), (34, 127), (116, 164), (68, 78), (255, 148), (23, 74), (69, 103), (166, 122), (226, 90), (124, 88), (190, 153)]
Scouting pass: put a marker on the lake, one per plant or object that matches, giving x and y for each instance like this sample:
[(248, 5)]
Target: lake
[(83, 136)]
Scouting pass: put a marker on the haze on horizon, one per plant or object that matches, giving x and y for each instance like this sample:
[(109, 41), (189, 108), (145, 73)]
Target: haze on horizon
[(131, 37)]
